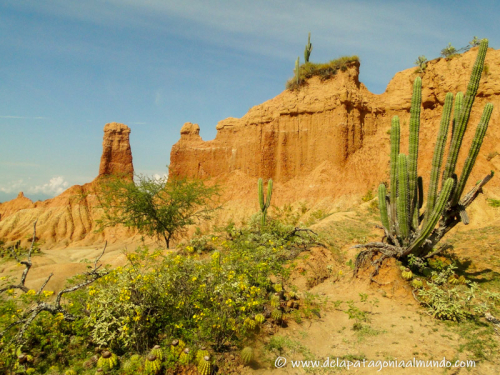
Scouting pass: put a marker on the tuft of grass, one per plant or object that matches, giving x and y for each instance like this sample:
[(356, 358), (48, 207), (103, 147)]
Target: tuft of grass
[(494, 202), (323, 70), (491, 155)]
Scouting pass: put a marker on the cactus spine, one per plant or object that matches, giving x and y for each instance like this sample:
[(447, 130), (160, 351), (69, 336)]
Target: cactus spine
[(309, 47), (264, 205)]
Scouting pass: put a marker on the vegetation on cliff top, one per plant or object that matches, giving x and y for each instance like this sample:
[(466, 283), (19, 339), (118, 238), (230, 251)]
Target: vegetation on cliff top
[(322, 70)]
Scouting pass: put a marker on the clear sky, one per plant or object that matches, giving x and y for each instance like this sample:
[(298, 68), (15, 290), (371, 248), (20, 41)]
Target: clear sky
[(68, 67)]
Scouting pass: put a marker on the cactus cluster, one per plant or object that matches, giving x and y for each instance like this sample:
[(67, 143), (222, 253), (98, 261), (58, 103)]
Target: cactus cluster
[(260, 318), (107, 361), (176, 347), (406, 228), (186, 356), (407, 274), (309, 47), (201, 353), (205, 366), (264, 205), (153, 364), (247, 355), (417, 283), (456, 280)]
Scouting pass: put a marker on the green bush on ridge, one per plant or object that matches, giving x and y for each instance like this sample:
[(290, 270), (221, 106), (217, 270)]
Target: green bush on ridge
[(322, 70)]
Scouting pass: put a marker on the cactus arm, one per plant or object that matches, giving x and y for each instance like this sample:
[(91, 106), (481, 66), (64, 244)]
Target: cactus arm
[(416, 101), (419, 201), (307, 51), (474, 150), (437, 159), (269, 193), (463, 118), (264, 206), (459, 103), (473, 86), (420, 192), (261, 194), (382, 204), (434, 217), (395, 134), (403, 197)]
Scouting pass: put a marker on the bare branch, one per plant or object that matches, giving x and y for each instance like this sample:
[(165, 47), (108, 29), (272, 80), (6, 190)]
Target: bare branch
[(53, 308), (44, 284)]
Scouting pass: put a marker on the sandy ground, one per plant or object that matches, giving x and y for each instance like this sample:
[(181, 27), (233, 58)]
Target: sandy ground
[(397, 328)]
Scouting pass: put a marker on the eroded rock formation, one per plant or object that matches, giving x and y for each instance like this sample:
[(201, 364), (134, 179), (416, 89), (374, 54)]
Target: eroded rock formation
[(331, 138), (116, 153), (70, 217)]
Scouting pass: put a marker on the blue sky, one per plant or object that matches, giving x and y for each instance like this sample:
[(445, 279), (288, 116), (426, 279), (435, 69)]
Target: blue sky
[(68, 67)]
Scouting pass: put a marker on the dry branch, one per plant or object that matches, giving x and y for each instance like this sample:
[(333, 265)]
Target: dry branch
[(29, 315)]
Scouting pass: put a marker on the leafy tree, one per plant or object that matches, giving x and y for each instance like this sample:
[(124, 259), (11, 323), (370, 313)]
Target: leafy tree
[(161, 208)]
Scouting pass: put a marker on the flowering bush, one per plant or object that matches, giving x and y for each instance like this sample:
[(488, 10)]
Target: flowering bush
[(203, 299)]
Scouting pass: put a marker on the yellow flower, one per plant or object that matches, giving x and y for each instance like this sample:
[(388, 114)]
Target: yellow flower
[(47, 293), (194, 278), (30, 292)]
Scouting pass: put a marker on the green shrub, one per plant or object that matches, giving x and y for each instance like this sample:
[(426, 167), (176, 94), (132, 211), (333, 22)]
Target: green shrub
[(323, 71), (199, 299), (494, 202), (449, 51), (421, 63)]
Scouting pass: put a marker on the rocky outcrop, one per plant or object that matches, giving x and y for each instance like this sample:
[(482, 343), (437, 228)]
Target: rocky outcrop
[(331, 138), (70, 217), (116, 153)]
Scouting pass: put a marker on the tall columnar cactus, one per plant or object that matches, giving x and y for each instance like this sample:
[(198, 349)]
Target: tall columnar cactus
[(264, 205), (399, 211), (395, 134), (416, 101), (297, 70), (309, 47), (437, 159)]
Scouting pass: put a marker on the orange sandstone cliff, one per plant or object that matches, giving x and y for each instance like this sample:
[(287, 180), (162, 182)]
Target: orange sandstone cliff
[(331, 139), (324, 142), (70, 217)]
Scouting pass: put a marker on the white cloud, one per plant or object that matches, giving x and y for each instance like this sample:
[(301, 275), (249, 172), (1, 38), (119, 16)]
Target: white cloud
[(163, 176), (54, 187), (13, 187)]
